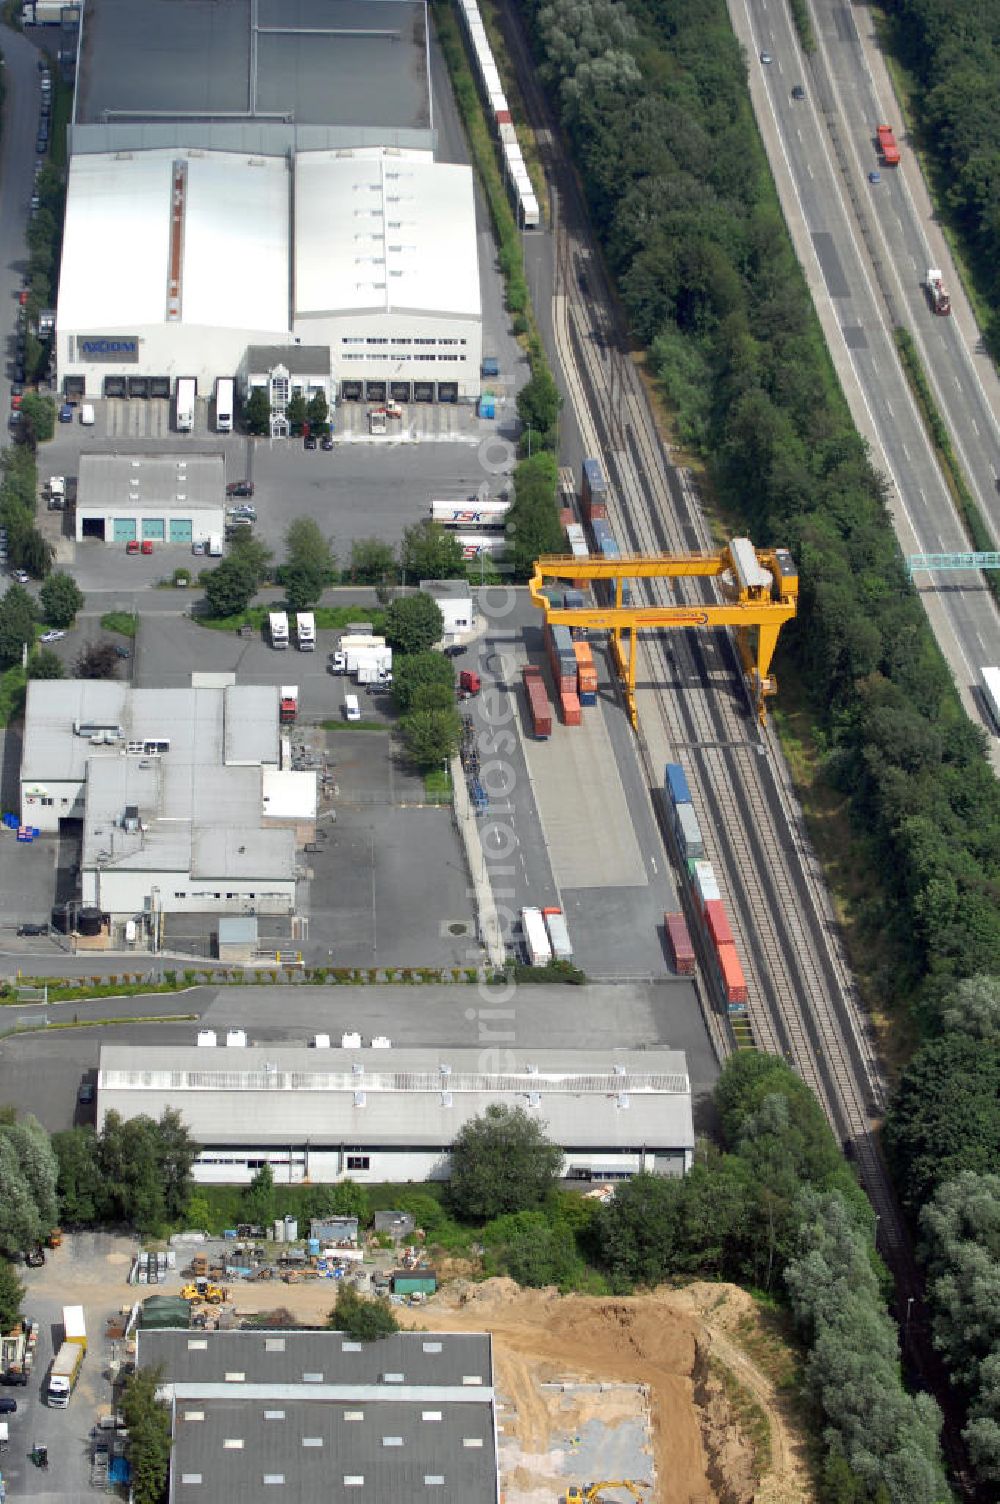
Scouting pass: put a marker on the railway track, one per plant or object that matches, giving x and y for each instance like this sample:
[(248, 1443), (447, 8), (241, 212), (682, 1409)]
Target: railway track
[(803, 1003)]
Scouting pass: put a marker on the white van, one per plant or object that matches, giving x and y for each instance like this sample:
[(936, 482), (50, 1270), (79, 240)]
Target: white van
[(352, 710), (87, 415)]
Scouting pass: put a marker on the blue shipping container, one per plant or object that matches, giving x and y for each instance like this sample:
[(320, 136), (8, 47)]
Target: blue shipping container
[(677, 784), (588, 699), (487, 407), (593, 478)]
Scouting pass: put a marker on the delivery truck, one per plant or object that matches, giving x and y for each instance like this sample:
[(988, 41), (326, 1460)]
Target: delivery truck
[(305, 631), (224, 404), (68, 1360), (278, 628), (555, 922), (185, 393)]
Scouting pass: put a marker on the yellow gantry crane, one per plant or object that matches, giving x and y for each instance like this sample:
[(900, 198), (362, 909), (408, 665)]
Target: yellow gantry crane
[(759, 586)]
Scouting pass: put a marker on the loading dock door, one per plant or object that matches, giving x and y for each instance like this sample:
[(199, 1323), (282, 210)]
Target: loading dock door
[(124, 530), (180, 530), (154, 528)]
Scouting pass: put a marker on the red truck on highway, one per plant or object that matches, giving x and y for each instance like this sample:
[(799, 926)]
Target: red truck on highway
[(887, 146)]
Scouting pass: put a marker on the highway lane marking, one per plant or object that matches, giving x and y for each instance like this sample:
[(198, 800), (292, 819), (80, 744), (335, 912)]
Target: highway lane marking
[(975, 426)]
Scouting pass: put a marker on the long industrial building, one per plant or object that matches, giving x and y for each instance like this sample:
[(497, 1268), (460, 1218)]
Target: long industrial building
[(370, 253), (385, 1114)]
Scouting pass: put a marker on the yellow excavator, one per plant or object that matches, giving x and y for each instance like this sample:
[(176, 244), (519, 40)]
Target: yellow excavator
[(591, 1493)]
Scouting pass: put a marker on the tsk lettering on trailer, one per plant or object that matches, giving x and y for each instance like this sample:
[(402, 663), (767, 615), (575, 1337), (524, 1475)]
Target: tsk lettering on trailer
[(124, 347)]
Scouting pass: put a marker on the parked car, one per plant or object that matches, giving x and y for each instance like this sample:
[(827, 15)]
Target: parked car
[(240, 488), (53, 636), (326, 442), (132, 546), (22, 576), (16, 401), (42, 144), (86, 1094), (32, 929), (66, 413), (147, 546), (455, 651), (121, 652), (198, 547), (309, 442), (7, 1405)]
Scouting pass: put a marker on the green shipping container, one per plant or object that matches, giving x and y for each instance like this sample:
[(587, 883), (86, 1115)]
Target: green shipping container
[(414, 1282)]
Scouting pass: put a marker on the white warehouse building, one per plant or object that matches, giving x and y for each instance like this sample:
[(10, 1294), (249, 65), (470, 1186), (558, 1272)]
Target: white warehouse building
[(178, 261), (382, 1114)]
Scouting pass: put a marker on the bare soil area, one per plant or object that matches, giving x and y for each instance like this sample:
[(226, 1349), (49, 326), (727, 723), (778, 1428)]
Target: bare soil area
[(657, 1353)]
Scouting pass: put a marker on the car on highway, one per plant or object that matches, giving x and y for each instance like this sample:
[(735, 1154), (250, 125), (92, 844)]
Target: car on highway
[(32, 929), (240, 488), (798, 92), (309, 442), (53, 636), (766, 57), (875, 177)]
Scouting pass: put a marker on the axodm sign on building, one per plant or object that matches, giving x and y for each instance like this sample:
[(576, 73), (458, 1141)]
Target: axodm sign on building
[(97, 348)]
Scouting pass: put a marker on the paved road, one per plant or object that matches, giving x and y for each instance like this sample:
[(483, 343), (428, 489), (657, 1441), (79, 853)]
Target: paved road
[(825, 211), (907, 241), (17, 166)]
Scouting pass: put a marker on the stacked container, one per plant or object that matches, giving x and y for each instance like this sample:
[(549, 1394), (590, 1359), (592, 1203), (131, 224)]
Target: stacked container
[(569, 706), (577, 540), (562, 658), (681, 949), (586, 673), (688, 833), (538, 701)]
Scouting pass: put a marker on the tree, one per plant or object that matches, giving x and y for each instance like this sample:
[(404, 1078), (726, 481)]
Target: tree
[(38, 1165), (29, 550), (413, 624), (20, 1223), (372, 562), (345, 1199), (945, 1116), (148, 1423), (430, 552), (11, 1296), (146, 1168), (309, 565), (538, 404), (974, 1008), (80, 1185), (257, 1203), (17, 624), (252, 554), (257, 412), (431, 736), (39, 413), (96, 660), (533, 525), (318, 410), (361, 1320), (295, 412), (61, 599), (501, 1162), (415, 674), (44, 664), (533, 1249), (230, 587)]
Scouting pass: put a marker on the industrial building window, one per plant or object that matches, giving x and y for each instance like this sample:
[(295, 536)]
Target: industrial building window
[(180, 895), (194, 1415), (47, 801), (354, 1415), (354, 1480), (434, 1480), (352, 1347), (271, 1344), (431, 1415), (471, 1378), (376, 341), (312, 1441), (447, 341), (392, 1441), (401, 339), (421, 341), (190, 1477), (274, 1414), (236, 1378), (432, 1347), (274, 1477), (472, 1441), (312, 1378), (232, 1444), (359, 1161)]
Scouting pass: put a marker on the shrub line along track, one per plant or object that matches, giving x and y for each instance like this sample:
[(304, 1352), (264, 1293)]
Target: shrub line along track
[(803, 1003)]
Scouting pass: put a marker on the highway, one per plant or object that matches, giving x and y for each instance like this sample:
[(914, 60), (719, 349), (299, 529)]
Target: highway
[(835, 216)]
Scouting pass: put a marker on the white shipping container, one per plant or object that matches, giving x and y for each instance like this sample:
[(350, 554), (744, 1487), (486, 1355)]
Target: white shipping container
[(493, 545), (470, 514), (688, 832), (529, 212), (706, 883), (508, 133), (559, 937), (536, 938)]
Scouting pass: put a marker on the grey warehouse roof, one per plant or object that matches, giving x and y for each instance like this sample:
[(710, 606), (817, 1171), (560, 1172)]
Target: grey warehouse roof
[(617, 1099), (319, 62), (121, 482), (309, 1415)]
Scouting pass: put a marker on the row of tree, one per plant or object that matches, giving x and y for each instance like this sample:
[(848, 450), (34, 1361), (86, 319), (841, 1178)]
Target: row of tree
[(26, 548), (134, 1173)]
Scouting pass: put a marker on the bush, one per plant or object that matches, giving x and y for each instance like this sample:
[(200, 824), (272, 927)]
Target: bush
[(361, 1320)]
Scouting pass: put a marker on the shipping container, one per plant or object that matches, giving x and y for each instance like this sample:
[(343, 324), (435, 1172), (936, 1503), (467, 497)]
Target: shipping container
[(717, 923), (688, 832), (595, 489), (706, 883), (538, 701), (677, 784), (577, 540), (731, 974), (536, 937), (555, 922), (679, 941), (569, 705), (567, 519)]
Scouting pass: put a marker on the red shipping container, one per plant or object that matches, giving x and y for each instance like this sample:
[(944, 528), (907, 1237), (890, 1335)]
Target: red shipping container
[(570, 705), (681, 949), (567, 516), (717, 922), (733, 981)]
